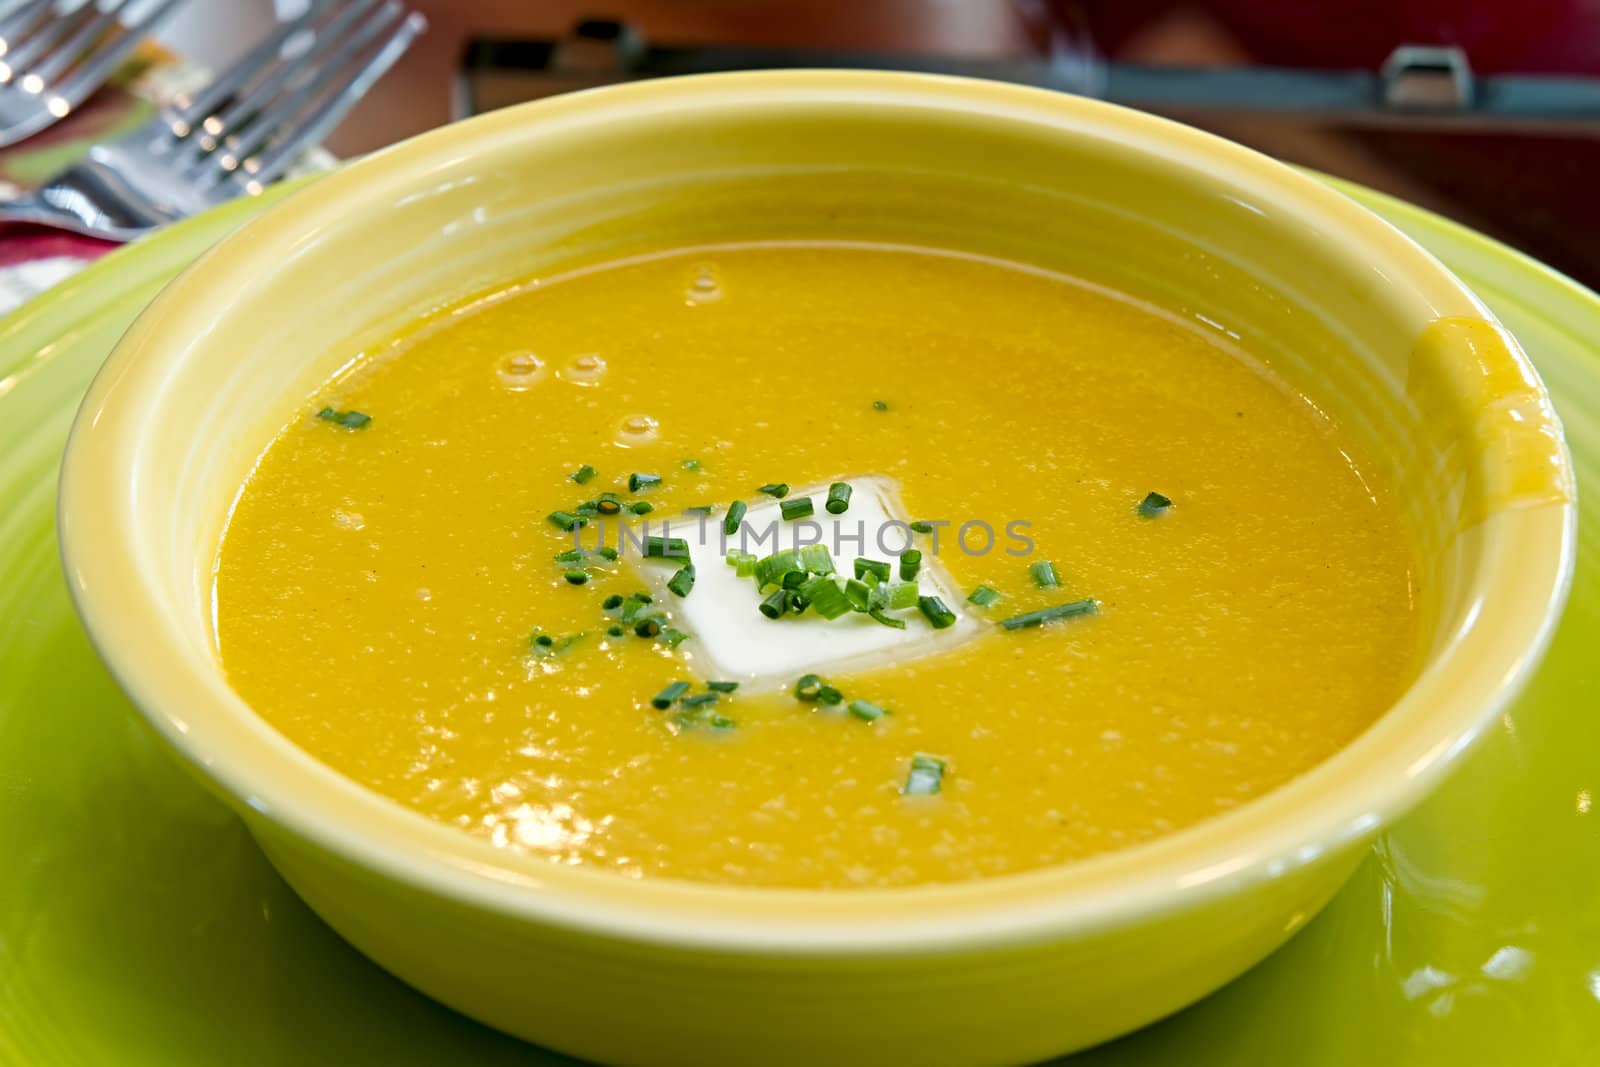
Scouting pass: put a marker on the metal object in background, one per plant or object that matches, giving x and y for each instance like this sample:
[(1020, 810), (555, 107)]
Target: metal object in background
[(236, 135), (1419, 86), (51, 61)]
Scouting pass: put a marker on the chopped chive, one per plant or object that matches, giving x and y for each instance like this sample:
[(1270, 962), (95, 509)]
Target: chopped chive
[(938, 614), (1045, 615), (583, 474), (702, 716), (722, 687), (700, 509), (897, 595), (890, 621), (776, 604), (615, 631), (794, 580), (656, 547), (858, 594), (808, 687), (770, 570), (735, 557), (816, 559), (1044, 574), (746, 567), (730, 523), (668, 696), (690, 464), (926, 776), (576, 577), (826, 597), (699, 700), (672, 637), (641, 507), (608, 504), (565, 520), (879, 405), (350, 420), (777, 489), (648, 626), (796, 508), (571, 555), (830, 696), (544, 640), (867, 711), (612, 602), (1154, 505), (606, 552), (683, 581), (798, 602), (876, 567), (638, 481), (922, 526), (910, 564), (983, 596), (838, 498)]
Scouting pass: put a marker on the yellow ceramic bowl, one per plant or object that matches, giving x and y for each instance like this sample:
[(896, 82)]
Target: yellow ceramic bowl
[(656, 972)]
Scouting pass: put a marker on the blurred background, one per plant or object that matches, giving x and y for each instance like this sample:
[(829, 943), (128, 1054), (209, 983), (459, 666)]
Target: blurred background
[(1484, 110)]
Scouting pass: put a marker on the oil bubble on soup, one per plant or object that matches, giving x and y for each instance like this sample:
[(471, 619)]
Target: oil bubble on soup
[(520, 370), (586, 369), (637, 430), (705, 287)]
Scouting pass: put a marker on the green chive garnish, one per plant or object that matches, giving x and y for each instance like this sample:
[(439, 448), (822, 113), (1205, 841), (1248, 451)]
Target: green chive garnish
[(350, 420), (735, 558), (838, 498), (608, 504), (910, 564), (668, 696), (730, 523), (544, 640), (722, 687), (565, 520), (770, 571), (656, 547), (875, 567), (571, 555), (699, 700), (637, 481), (879, 405), (672, 637), (816, 559), (1154, 505), (700, 509), (983, 596), (927, 775), (583, 474), (606, 552), (683, 581), (1044, 615), (922, 526), (896, 595), (796, 508), (866, 711), (808, 687), (888, 620), (936, 611), (746, 565), (649, 626), (858, 594), (777, 489), (702, 716), (615, 631), (641, 507), (830, 696), (826, 597), (612, 602), (690, 464), (1044, 574), (576, 577), (776, 604)]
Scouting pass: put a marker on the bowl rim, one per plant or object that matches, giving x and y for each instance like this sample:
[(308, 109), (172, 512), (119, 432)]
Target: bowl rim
[(1338, 804)]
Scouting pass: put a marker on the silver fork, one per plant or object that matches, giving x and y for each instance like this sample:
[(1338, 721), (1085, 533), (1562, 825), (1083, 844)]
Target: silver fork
[(51, 61), (234, 136)]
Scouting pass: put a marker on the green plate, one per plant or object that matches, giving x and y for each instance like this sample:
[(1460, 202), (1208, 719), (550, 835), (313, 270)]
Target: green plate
[(140, 925)]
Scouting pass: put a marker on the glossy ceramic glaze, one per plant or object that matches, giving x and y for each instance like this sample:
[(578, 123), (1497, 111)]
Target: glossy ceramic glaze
[(1000, 971), (1466, 935)]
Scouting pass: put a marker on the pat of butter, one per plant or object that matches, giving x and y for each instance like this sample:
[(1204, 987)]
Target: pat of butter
[(732, 640)]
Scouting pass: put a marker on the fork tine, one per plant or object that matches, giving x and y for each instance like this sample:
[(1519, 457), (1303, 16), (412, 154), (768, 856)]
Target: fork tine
[(49, 36), (20, 21), (217, 124), (321, 121), (108, 54), (260, 58), (51, 66), (275, 113)]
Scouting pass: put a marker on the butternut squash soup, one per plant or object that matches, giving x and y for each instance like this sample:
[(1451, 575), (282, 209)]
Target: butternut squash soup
[(814, 565)]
